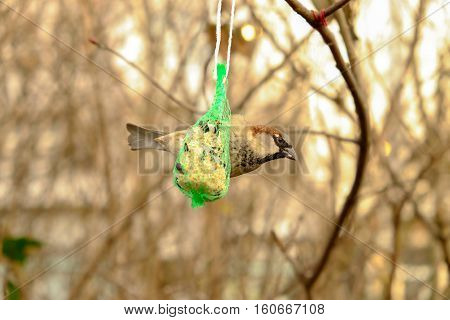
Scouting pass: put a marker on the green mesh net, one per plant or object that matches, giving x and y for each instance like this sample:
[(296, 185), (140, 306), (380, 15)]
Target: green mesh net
[(202, 169)]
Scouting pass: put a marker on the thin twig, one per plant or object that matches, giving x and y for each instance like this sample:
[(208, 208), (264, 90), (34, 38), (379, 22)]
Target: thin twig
[(397, 91), (325, 134), (437, 231), (270, 74), (333, 136), (396, 223), (300, 276), (335, 7), (348, 35), (336, 99), (104, 47)]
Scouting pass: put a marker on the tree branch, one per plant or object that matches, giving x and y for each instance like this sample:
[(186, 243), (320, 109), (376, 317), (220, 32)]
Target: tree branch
[(360, 108)]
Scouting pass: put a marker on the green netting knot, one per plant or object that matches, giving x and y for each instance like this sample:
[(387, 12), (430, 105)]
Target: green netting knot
[(202, 169)]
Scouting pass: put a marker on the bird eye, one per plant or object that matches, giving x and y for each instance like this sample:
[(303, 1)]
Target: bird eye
[(279, 141)]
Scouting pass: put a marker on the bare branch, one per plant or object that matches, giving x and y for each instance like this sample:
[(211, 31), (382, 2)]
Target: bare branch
[(360, 108)]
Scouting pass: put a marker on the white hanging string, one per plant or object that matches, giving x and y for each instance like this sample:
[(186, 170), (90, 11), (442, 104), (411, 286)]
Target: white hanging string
[(230, 36), (218, 36)]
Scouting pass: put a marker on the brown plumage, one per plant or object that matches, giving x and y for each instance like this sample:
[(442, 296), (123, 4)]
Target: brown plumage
[(250, 145)]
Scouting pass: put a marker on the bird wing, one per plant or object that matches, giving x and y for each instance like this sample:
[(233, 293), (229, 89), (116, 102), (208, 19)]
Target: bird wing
[(172, 142)]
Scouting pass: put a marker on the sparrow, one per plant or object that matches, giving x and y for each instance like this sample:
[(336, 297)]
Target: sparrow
[(250, 145)]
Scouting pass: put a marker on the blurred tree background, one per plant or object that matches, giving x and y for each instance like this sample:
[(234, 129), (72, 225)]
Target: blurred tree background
[(83, 217)]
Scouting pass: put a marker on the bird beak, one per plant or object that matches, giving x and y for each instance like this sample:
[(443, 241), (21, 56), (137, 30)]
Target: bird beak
[(290, 154)]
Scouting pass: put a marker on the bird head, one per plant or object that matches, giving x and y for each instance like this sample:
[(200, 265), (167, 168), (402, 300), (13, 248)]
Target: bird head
[(269, 143)]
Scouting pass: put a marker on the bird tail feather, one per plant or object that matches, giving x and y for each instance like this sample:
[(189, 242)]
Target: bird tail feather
[(142, 138)]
